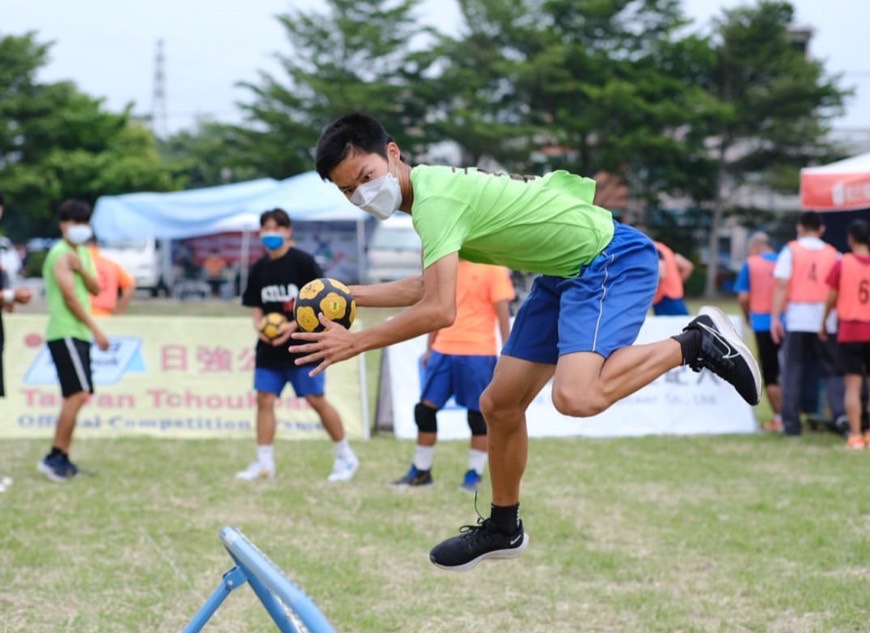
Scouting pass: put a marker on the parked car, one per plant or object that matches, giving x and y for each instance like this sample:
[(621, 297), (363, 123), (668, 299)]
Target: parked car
[(395, 251)]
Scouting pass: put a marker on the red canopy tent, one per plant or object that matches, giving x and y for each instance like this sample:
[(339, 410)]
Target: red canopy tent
[(840, 186)]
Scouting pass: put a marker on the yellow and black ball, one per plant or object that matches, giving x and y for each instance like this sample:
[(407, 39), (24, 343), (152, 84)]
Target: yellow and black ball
[(324, 296), (272, 325)]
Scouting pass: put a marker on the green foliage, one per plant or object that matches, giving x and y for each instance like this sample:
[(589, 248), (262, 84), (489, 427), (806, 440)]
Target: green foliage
[(355, 56), (56, 143), (208, 155)]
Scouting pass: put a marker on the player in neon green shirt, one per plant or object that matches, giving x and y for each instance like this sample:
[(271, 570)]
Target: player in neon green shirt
[(70, 278), (577, 325)]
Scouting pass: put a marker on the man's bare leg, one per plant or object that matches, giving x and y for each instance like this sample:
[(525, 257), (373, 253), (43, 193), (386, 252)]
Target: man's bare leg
[(66, 421), (514, 385), (586, 383)]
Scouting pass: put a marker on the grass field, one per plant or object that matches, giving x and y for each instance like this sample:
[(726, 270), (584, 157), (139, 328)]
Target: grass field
[(653, 534), (743, 533)]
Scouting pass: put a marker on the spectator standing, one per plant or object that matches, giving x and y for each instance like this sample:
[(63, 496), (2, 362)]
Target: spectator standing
[(754, 286), (801, 270), (8, 299), (674, 270), (69, 277), (214, 266), (459, 362), (849, 280), (117, 286)]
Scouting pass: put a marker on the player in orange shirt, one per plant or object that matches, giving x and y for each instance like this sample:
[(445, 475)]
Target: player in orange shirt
[(459, 362), (674, 270), (849, 280), (117, 286)]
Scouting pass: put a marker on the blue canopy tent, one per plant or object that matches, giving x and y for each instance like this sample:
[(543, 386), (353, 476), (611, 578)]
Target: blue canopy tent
[(227, 208)]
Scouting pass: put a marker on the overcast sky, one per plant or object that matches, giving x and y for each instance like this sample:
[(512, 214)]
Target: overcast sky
[(108, 46)]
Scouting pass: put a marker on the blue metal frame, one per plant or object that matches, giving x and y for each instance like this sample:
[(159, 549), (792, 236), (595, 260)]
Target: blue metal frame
[(275, 591)]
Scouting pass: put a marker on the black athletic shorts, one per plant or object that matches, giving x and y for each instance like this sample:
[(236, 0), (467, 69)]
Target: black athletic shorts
[(854, 357), (72, 359), (768, 356)]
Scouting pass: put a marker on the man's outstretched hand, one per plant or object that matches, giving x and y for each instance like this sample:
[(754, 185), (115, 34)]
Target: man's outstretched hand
[(331, 346)]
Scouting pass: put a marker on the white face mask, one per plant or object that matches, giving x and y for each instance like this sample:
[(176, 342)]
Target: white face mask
[(381, 197), (79, 233)]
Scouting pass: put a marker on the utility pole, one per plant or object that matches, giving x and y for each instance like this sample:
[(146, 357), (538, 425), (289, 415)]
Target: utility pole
[(158, 105)]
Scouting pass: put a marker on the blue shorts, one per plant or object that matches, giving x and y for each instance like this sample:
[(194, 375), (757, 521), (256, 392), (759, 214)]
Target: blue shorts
[(600, 310), (273, 380), (462, 377), (670, 307)]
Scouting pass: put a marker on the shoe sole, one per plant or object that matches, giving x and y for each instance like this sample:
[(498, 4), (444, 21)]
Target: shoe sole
[(499, 554), (345, 476), (48, 472), (257, 478), (729, 333)]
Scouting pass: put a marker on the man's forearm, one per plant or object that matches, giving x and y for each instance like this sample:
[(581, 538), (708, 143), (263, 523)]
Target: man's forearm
[(91, 281), (409, 324), (779, 297), (393, 294), (79, 312)]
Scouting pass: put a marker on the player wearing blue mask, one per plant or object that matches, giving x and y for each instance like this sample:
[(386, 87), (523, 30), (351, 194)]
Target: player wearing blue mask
[(273, 285)]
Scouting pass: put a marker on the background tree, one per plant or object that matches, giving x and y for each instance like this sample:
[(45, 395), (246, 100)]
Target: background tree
[(207, 155), (778, 104), (355, 55), (56, 142)]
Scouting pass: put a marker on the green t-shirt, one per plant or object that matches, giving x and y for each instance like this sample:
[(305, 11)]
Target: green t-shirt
[(61, 322), (542, 225)]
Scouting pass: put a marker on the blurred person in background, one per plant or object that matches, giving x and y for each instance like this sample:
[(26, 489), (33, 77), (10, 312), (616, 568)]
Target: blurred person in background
[(800, 290), (849, 281), (754, 287), (214, 266), (8, 299), (70, 278), (459, 362), (674, 270), (117, 286)]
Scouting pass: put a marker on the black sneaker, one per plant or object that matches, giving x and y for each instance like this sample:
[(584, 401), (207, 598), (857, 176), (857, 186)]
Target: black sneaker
[(722, 352), (56, 467), (476, 543), (415, 477)]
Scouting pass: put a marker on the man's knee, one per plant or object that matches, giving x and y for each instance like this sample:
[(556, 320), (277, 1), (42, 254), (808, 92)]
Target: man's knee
[(579, 405), (265, 399), (476, 423), (425, 418)]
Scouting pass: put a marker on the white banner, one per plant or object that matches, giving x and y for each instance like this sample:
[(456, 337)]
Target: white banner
[(681, 402)]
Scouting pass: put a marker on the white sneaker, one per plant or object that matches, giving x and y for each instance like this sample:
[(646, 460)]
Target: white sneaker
[(344, 468), (256, 471)]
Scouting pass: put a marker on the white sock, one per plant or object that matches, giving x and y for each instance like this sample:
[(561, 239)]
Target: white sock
[(477, 461), (423, 457), (266, 455), (342, 449)]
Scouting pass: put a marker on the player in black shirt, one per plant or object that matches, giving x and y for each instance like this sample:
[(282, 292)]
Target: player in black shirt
[(273, 285)]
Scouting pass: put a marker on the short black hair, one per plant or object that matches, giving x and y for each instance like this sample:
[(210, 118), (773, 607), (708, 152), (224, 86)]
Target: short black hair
[(73, 210), (859, 231), (351, 132), (280, 216), (810, 220)]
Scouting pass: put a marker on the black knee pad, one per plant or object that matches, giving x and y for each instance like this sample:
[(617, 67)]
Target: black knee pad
[(425, 418), (476, 423)]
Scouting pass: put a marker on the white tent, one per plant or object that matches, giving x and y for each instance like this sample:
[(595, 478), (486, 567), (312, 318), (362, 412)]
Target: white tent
[(227, 208), (840, 186), (234, 207)]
